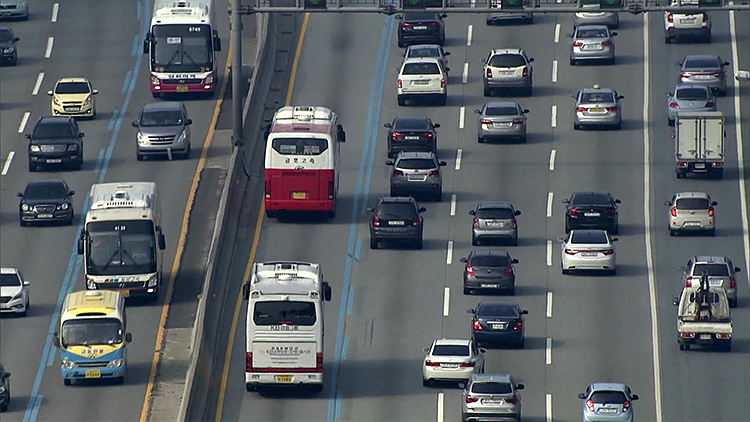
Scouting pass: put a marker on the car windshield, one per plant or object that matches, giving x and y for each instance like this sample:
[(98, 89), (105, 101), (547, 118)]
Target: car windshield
[(53, 131), (5, 35), (91, 331), (9, 280), (692, 204), (716, 270), (702, 62), (161, 118), (602, 397), (450, 350), (507, 60), (421, 69), (590, 199), (501, 111), (494, 213), (72, 88), (597, 97), (591, 33), (424, 52), (489, 260), (411, 124), (496, 310), (491, 388), (589, 236), (396, 210), (43, 190), (416, 164), (695, 94), (284, 312), (417, 16)]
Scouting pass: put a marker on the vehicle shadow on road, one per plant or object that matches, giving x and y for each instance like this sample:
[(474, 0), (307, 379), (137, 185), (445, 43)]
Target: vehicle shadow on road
[(530, 343), (18, 403), (536, 291)]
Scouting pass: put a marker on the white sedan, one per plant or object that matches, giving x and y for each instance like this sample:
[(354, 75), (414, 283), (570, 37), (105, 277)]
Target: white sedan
[(451, 360), (588, 250), (14, 292)]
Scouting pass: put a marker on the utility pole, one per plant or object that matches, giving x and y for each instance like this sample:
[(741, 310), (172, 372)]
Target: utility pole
[(236, 26)]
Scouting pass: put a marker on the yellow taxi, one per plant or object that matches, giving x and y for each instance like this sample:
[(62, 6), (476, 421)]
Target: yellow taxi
[(73, 97)]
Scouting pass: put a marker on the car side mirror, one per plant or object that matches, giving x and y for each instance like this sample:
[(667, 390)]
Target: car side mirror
[(426, 349), (520, 386), (472, 212), (668, 94), (388, 125), (370, 209), (461, 385), (446, 53), (96, 91), (470, 310), (19, 194), (482, 350), (615, 239), (389, 162), (514, 261), (134, 123), (28, 136), (436, 125), (524, 312), (517, 212), (162, 242), (80, 246), (71, 193), (464, 260), (340, 134), (737, 269), (145, 45), (422, 209), (399, 16), (217, 43), (49, 92), (188, 122), (246, 291), (526, 110), (443, 163), (27, 283), (634, 397), (55, 340), (726, 63), (675, 301), (620, 97), (561, 238), (326, 291), (447, 69), (81, 135), (617, 201), (17, 39), (444, 15), (714, 203), (614, 34), (667, 203), (477, 111), (581, 396), (128, 337)]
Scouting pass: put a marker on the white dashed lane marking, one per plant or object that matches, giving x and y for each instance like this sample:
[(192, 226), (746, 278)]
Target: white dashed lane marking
[(548, 352), (552, 155), (553, 120), (557, 33), (24, 120), (469, 34), (554, 70), (549, 253), (446, 301), (465, 75), (549, 304), (50, 43), (453, 204), (461, 117), (55, 11), (550, 198), (9, 160), (459, 153), (449, 255), (38, 83)]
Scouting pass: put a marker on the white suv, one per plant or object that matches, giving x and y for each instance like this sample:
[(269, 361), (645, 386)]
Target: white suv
[(686, 21), (508, 68), (422, 78)]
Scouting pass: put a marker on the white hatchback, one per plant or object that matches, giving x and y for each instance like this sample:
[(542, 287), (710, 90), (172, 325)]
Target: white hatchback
[(451, 360), (691, 211), (422, 78), (588, 250), (14, 292)]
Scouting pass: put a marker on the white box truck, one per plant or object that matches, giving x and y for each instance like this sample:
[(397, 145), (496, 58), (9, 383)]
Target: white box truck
[(699, 143)]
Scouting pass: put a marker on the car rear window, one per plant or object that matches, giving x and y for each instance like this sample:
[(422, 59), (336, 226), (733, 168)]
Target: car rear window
[(491, 388), (602, 397), (692, 94), (501, 111), (411, 124), (424, 52), (489, 260), (417, 16), (421, 69), (507, 60), (590, 199), (53, 130), (45, 191), (495, 213), (300, 146), (9, 280), (450, 350), (718, 270), (416, 163), (396, 210), (702, 62), (692, 204), (597, 97), (496, 310), (595, 237), (591, 33)]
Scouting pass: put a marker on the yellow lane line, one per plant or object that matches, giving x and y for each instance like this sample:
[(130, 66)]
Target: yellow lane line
[(181, 243), (256, 239)]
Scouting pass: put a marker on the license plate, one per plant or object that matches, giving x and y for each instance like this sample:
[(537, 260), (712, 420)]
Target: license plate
[(592, 47), (54, 160), (705, 336), (687, 20), (421, 82), (606, 410), (501, 124), (395, 223), (716, 283), (72, 108), (700, 165), (495, 224), (183, 89), (589, 254), (692, 224), (497, 326), (507, 73), (702, 76), (284, 378), (44, 216), (449, 365), (491, 401), (416, 178), (491, 286), (411, 138), (591, 214), (299, 195), (93, 373), (597, 110), (420, 27)]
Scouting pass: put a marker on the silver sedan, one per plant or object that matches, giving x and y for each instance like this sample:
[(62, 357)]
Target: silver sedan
[(588, 250), (593, 15), (592, 42), (710, 71), (501, 119), (689, 98), (597, 106)]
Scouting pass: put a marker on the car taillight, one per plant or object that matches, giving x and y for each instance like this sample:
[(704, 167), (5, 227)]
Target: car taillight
[(431, 363), (525, 71), (489, 72), (705, 16), (717, 75), (625, 406), (512, 400), (434, 24), (606, 43), (689, 282), (685, 74), (509, 270), (590, 405), (608, 251), (732, 283), (470, 399), (398, 173), (608, 212), (570, 251), (513, 224), (248, 361), (613, 108), (406, 25), (517, 121), (577, 44), (477, 325), (723, 335), (518, 326), (331, 189), (581, 108), (681, 164), (470, 271), (476, 223), (486, 121), (670, 18), (429, 135), (673, 211), (376, 221), (710, 104), (575, 212), (400, 84), (415, 223), (319, 362), (687, 335), (433, 172), (467, 365), (711, 212), (268, 189), (442, 82), (674, 105), (397, 135)]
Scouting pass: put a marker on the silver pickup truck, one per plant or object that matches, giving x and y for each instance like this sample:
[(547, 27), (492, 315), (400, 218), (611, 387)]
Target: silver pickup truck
[(703, 317)]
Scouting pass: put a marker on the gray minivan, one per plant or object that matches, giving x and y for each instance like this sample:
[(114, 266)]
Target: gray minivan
[(163, 128)]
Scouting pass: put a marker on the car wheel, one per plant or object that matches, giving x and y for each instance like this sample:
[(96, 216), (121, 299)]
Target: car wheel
[(576, 126), (480, 140), (426, 383), (613, 272), (528, 91), (521, 343), (682, 347), (567, 227), (317, 388), (670, 122), (611, 61), (443, 100), (22, 223), (373, 243), (401, 44), (672, 232), (719, 174), (474, 240), (156, 94), (522, 139), (489, 22), (186, 155), (680, 175), (530, 20), (514, 241), (712, 232), (441, 41), (419, 244), (487, 92), (572, 62), (511, 291), (401, 101), (618, 126), (14, 62), (32, 167), (78, 164), (70, 221), (733, 303), (467, 291), (271, 214), (615, 229), (120, 380), (439, 195), (564, 271), (727, 347), (67, 381), (707, 39), (667, 40)]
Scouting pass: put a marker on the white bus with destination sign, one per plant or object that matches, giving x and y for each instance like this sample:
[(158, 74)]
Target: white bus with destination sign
[(285, 335)]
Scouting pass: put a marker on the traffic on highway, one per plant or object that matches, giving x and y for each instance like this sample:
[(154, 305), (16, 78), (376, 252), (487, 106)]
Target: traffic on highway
[(576, 245)]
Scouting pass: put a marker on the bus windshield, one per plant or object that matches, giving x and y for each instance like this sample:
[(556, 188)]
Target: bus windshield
[(284, 312), (182, 48), (120, 248), (91, 331)]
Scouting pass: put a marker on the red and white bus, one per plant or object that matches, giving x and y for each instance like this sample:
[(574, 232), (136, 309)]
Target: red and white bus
[(302, 160)]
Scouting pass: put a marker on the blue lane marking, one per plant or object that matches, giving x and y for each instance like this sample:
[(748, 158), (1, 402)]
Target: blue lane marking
[(138, 10), (75, 262), (127, 82), (345, 348), (350, 302), (100, 159), (377, 84), (52, 354), (358, 250), (339, 397), (37, 405), (112, 120), (135, 44)]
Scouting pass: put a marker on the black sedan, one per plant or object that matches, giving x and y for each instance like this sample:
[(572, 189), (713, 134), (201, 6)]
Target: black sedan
[(44, 201), (489, 270), (498, 323), (411, 134), (421, 28), (592, 210), (8, 53)]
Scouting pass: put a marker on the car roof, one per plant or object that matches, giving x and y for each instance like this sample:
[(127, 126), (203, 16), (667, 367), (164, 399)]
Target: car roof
[(491, 377), (497, 303), (489, 252), (403, 120), (507, 51), (410, 16), (595, 90), (608, 386), (421, 60), (501, 104), (591, 27), (421, 154), (494, 204), (683, 86), (691, 195), (423, 46), (72, 79), (588, 233), (396, 199), (55, 119), (162, 106), (8, 270), (711, 258), (593, 192), (701, 56), (451, 342)]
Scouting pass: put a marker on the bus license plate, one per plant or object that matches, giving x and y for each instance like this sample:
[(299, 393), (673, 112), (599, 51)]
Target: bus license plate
[(93, 373), (299, 195), (284, 378), (182, 89)]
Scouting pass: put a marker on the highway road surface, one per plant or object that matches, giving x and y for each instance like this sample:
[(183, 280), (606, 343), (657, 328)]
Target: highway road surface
[(388, 304), (100, 40)]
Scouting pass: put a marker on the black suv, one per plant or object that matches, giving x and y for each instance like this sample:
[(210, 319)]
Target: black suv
[(46, 200), (398, 219), (5, 391), (8, 53), (411, 134), (592, 210), (55, 140), (421, 28)]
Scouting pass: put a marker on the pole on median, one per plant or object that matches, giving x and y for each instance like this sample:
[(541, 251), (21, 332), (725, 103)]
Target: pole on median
[(236, 25)]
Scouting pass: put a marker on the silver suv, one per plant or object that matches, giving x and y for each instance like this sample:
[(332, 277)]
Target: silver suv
[(163, 128), (508, 68), (491, 397), (494, 220), (720, 272), (416, 172), (691, 211)]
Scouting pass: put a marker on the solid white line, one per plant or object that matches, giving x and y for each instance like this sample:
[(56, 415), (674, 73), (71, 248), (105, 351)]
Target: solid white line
[(24, 120), (458, 158), (554, 116), (552, 155), (449, 255), (554, 70), (38, 83), (557, 33), (55, 10), (465, 75), (440, 407), (550, 197), (6, 167), (548, 404), (549, 253), (656, 356), (548, 352), (549, 304), (468, 36), (461, 117), (453, 204), (740, 152), (446, 301), (48, 52)]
